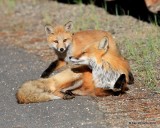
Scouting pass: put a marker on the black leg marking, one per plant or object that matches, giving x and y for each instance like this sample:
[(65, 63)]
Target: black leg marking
[(69, 92), (67, 97), (120, 82), (49, 70)]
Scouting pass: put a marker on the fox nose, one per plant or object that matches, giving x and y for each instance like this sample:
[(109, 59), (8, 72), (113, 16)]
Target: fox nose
[(61, 49)]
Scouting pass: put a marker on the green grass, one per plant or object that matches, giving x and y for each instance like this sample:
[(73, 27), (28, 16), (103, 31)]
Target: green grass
[(144, 54), (10, 4), (88, 20), (78, 1), (81, 1), (155, 20)]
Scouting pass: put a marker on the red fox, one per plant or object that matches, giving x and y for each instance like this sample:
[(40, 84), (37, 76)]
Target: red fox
[(78, 81), (59, 39), (107, 67), (66, 43)]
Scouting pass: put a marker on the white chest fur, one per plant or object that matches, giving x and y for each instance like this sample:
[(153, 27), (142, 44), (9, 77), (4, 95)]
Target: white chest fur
[(104, 78)]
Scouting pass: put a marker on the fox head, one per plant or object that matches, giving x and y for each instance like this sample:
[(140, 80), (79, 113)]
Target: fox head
[(101, 56), (104, 75), (93, 52), (59, 37)]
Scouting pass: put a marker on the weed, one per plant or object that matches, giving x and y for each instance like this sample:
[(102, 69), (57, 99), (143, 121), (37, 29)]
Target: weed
[(155, 20), (78, 1)]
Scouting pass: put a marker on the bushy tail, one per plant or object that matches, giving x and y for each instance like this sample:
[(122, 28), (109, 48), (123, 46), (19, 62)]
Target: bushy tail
[(32, 92)]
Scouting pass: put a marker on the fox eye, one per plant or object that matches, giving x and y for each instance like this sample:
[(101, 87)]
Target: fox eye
[(64, 40), (56, 41)]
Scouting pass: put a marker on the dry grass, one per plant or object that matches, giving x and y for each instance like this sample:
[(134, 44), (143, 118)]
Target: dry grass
[(145, 55)]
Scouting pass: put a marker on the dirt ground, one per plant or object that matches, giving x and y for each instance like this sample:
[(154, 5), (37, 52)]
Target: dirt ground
[(22, 24)]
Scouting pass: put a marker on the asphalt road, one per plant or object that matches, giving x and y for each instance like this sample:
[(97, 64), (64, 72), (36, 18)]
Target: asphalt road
[(17, 66)]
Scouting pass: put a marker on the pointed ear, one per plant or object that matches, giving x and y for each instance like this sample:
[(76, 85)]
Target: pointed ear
[(68, 26), (103, 44), (49, 29)]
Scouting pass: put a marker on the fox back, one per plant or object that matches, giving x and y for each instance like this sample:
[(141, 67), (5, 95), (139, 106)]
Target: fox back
[(85, 38)]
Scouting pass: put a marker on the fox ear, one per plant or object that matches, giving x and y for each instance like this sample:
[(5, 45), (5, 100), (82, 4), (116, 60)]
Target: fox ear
[(103, 44), (48, 29), (68, 26)]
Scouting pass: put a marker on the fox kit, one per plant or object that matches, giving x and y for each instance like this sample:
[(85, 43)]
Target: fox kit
[(59, 39), (49, 88), (108, 67), (66, 43)]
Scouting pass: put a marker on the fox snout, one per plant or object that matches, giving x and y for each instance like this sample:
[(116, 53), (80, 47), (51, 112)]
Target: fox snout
[(61, 50), (72, 59)]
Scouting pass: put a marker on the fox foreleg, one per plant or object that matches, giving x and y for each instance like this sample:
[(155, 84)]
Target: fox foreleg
[(49, 70)]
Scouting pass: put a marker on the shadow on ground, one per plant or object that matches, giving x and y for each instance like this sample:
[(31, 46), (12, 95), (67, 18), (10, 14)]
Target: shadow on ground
[(134, 8)]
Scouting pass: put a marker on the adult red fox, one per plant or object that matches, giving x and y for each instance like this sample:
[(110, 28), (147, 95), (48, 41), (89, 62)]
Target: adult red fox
[(107, 66)]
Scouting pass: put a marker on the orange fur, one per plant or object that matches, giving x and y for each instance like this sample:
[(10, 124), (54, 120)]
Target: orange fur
[(109, 55), (83, 38), (42, 90)]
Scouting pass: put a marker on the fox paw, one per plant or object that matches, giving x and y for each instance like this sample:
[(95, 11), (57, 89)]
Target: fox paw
[(67, 97), (45, 75), (68, 92)]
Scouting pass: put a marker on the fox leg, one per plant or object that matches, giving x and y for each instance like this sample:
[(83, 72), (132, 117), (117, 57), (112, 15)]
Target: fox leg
[(64, 91), (60, 64), (88, 87), (64, 81), (61, 82), (80, 92), (50, 69), (61, 95), (92, 92), (121, 84), (53, 66), (47, 89)]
